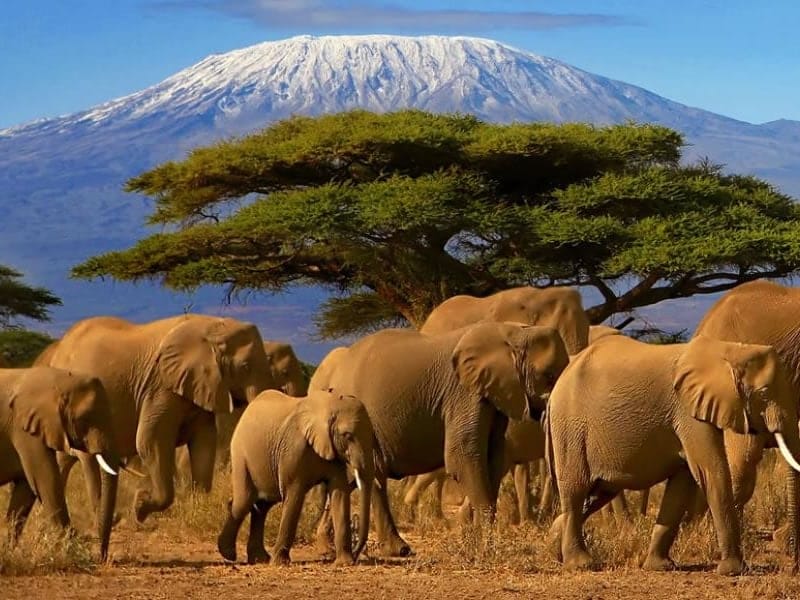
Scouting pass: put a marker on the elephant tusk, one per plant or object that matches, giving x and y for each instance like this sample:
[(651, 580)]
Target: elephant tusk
[(133, 471), (230, 402), (104, 465), (358, 479), (787, 454)]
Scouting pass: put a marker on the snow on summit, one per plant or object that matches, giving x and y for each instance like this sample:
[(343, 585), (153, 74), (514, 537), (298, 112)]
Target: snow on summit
[(312, 75)]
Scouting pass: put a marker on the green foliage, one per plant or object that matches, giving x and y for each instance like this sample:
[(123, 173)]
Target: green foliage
[(395, 213), (20, 347), (20, 300)]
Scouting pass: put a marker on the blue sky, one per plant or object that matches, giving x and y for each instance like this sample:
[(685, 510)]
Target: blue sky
[(735, 57)]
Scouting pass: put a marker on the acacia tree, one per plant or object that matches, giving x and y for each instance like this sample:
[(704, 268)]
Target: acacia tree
[(18, 299), (397, 212)]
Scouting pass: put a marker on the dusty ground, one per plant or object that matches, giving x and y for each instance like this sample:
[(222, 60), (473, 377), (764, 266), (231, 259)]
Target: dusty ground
[(154, 565), (174, 556)]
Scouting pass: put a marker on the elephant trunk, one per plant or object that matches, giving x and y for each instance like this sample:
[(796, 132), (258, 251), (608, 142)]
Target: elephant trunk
[(365, 474), (108, 501)]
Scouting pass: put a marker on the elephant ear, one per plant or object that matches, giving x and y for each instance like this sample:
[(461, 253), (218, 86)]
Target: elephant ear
[(316, 421), (189, 362), (485, 362), (41, 414), (710, 384)]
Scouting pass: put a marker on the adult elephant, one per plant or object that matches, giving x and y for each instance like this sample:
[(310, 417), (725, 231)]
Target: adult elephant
[(44, 410), (445, 400), (525, 444), (628, 415), (759, 312), (557, 307), (165, 381)]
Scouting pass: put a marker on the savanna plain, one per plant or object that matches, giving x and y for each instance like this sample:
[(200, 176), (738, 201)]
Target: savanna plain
[(174, 555)]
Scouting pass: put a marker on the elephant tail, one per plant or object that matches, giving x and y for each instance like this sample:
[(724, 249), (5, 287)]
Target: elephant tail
[(549, 454)]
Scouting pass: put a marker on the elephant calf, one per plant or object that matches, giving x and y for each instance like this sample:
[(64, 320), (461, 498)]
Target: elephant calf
[(628, 415), (281, 448)]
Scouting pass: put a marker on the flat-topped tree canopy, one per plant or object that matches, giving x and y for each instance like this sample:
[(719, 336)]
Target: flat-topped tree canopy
[(397, 212)]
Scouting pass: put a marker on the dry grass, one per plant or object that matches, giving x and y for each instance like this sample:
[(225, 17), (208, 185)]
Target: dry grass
[(442, 546)]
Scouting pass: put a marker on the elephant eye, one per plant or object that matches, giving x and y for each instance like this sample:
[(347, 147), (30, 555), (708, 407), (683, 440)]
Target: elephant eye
[(348, 436)]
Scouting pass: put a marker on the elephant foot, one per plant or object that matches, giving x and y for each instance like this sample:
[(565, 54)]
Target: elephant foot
[(394, 547), (554, 538), (658, 563), (730, 566), (257, 556), (465, 514), (323, 546), (580, 560), (344, 560), (281, 558), (141, 506), (226, 549)]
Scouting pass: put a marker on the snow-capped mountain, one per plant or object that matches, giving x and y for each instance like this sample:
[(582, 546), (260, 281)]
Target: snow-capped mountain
[(62, 177)]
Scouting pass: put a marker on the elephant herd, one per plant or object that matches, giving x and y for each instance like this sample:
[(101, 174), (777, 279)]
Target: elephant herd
[(485, 386)]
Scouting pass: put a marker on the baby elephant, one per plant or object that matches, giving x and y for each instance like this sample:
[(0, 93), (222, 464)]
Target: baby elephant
[(281, 448), (627, 415)]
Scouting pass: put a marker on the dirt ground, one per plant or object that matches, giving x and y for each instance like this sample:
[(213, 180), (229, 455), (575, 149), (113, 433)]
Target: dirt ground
[(155, 566)]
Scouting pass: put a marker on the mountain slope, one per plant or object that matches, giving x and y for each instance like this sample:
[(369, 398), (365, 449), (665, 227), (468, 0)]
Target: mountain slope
[(62, 177)]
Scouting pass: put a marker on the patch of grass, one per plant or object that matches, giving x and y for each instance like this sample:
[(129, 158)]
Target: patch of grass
[(43, 548), (442, 545)]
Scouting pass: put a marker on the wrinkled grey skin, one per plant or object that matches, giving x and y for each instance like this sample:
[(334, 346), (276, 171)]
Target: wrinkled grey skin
[(628, 415), (165, 381), (760, 312), (437, 400), (283, 446), (42, 411)]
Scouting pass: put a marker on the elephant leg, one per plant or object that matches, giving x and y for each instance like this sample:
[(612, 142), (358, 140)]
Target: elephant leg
[(547, 502), (475, 457), (438, 494), (44, 478), (677, 496), (19, 507), (619, 508), (569, 527), (287, 530), (244, 498), (256, 553), (643, 502), (340, 512), (155, 443), (323, 539), (705, 453), (418, 486), (202, 448), (522, 477), (389, 541)]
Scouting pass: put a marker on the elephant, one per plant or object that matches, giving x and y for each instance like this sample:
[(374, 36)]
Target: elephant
[(758, 312), (556, 307), (42, 411), (283, 446), (165, 381), (445, 399), (286, 375), (627, 415), (525, 442)]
